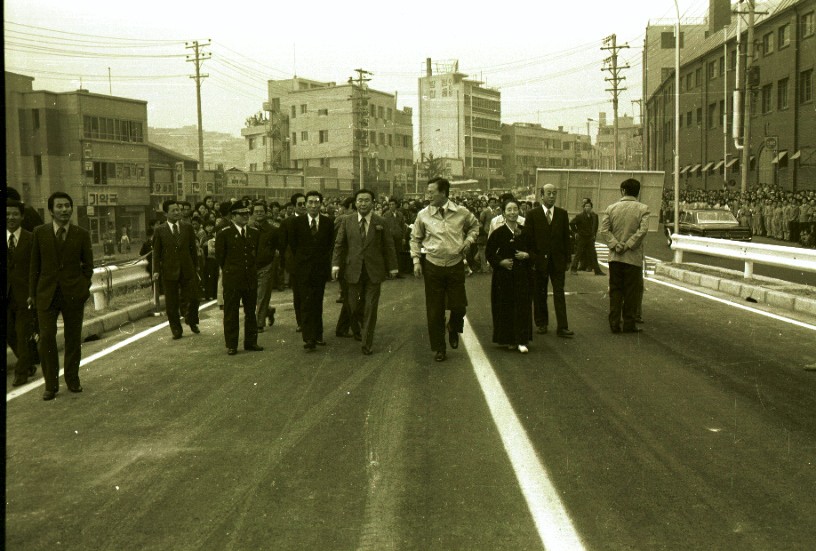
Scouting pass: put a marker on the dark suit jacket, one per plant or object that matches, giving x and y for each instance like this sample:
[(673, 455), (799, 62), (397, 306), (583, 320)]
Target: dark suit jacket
[(17, 269), (269, 244), (174, 261), (312, 254), (236, 257), (377, 252), (550, 242), (585, 226), (71, 271)]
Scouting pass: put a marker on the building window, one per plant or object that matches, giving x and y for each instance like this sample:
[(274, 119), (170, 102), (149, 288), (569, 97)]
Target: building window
[(294, 112), (251, 144), (767, 44), (722, 65), (722, 112), (322, 112), (699, 116), (712, 70), (782, 94), (732, 60), (253, 167), (372, 111), (35, 115), (323, 136), (389, 114), (303, 109), (372, 138), (806, 85), (382, 138), (294, 137), (712, 115), (304, 136), (807, 24), (783, 36), (391, 139), (766, 98), (38, 165), (698, 77), (380, 112)]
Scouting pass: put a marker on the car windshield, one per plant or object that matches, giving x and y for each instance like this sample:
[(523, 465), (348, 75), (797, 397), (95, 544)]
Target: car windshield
[(715, 216)]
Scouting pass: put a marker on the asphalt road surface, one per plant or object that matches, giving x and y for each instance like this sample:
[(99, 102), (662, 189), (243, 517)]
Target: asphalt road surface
[(699, 433)]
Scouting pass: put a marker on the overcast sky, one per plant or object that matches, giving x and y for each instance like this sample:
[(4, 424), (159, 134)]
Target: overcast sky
[(545, 57)]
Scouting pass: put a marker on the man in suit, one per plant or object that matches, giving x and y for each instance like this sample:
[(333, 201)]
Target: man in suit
[(298, 208), (31, 218), (19, 318), (175, 254), (549, 226), (584, 227), (347, 325), (59, 283), (268, 250), (366, 247), (236, 249), (624, 229), (311, 240)]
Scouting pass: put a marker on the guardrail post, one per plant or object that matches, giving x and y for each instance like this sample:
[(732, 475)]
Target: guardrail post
[(678, 256), (749, 269)]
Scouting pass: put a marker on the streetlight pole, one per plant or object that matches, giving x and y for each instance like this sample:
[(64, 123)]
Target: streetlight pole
[(677, 254)]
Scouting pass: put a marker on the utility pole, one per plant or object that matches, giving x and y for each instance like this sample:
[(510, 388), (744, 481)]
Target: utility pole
[(198, 58), (360, 108), (611, 65), (749, 89)]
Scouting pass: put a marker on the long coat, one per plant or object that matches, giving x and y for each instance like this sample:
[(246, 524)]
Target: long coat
[(510, 292)]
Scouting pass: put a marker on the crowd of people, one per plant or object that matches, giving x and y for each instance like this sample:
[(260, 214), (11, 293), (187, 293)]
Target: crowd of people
[(768, 210)]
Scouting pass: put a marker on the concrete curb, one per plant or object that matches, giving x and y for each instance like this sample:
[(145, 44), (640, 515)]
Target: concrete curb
[(763, 290), (110, 321)]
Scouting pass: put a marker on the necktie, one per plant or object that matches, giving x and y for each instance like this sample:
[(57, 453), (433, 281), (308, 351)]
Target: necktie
[(242, 232), (313, 226), (363, 228), (549, 216), (442, 212), (60, 239), (12, 244), (176, 234)]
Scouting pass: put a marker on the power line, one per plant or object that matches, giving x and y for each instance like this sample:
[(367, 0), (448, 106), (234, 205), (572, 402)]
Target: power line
[(92, 35)]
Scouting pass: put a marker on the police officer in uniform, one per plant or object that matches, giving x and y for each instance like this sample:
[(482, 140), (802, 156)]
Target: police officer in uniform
[(236, 248)]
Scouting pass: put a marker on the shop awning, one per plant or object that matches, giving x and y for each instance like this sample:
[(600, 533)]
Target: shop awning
[(731, 163), (796, 155), (695, 168), (685, 169), (718, 165), (779, 156), (708, 166)]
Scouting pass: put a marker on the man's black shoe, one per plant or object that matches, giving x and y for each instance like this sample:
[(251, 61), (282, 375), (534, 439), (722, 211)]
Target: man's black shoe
[(639, 320), (453, 338), (194, 328), (310, 347), (358, 337), (232, 351), (367, 351), (75, 387), (600, 273), (49, 395), (345, 335), (615, 328), (253, 348), (19, 381), (565, 333), (271, 317), (542, 330), (440, 357), (176, 336)]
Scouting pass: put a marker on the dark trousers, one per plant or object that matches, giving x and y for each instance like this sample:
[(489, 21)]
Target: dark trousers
[(311, 309), (233, 298), (581, 258), (72, 315), (363, 301), (346, 322), (444, 289), (297, 300), (19, 327), (541, 313), (210, 278), (180, 294), (625, 292)]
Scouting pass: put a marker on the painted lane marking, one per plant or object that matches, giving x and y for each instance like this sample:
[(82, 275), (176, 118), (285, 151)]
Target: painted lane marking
[(554, 525), (93, 357)]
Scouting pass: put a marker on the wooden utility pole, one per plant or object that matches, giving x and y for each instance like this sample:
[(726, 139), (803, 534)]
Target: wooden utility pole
[(198, 58), (749, 93), (360, 108), (611, 65)]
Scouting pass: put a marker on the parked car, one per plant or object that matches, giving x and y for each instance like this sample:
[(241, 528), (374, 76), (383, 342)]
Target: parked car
[(717, 223)]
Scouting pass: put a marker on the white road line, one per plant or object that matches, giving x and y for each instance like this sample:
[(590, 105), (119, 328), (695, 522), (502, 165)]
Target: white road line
[(93, 357), (551, 519)]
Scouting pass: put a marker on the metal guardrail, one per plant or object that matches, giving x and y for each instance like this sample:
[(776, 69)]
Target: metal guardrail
[(108, 278), (749, 253)]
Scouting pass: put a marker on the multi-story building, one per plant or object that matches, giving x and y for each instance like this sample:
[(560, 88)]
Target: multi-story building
[(461, 119), (92, 146), (779, 88), (629, 149), (527, 147), (349, 135)]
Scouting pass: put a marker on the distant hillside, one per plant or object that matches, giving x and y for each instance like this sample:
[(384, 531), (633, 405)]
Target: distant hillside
[(219, 147)]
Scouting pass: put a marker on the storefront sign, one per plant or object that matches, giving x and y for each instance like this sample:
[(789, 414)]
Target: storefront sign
[(102, 199)]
